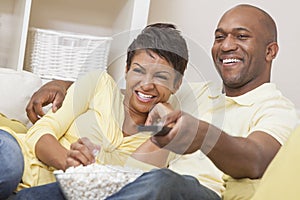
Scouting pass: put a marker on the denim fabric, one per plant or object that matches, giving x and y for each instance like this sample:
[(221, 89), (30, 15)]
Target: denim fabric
[(164, 184), (49, 191), (11, 164), (161, 184)]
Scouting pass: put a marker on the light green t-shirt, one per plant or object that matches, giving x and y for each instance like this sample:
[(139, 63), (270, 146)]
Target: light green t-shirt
[(262, 109)]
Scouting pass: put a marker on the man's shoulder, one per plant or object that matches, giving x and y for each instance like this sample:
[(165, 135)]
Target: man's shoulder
[(194, 97)]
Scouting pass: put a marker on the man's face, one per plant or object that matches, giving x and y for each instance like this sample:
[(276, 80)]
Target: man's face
[(239, 50), (149, 80)]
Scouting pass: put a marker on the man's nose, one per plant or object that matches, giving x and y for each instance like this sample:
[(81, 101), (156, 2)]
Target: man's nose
[(229, 44)]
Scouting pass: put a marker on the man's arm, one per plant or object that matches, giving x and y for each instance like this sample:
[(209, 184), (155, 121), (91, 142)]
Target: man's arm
[(52, 92), (239, 157), (236, 156)]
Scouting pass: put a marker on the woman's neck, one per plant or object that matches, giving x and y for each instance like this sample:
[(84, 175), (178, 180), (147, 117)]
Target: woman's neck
[(131, 121)]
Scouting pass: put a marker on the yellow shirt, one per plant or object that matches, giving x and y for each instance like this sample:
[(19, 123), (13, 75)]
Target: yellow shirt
[(13, 125), (281, 179), (93, 108), (263, 109)]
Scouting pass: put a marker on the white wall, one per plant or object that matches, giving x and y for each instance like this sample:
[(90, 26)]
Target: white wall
[(197, 19)]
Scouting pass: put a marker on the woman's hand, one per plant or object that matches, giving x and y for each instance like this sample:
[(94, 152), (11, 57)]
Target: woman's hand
[(82, 152), (149, 152), (157, 114)]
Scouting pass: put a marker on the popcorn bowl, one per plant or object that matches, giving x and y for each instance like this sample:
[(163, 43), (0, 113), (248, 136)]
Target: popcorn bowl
[(94, 181)]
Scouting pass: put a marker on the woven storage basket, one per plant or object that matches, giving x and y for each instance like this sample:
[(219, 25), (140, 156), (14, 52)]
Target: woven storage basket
[(65, 56)]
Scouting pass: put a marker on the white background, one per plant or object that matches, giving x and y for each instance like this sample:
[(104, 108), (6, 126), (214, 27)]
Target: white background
[(197, 19)]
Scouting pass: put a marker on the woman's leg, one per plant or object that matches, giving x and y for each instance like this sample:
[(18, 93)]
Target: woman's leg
[(44, 192), (158, 184), (11, 164), (165, 184)]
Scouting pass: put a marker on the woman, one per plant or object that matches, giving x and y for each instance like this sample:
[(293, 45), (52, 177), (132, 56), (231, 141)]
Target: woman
[(96, 109)]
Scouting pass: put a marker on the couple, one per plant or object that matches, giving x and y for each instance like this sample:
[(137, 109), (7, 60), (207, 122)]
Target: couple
[(258, 119)]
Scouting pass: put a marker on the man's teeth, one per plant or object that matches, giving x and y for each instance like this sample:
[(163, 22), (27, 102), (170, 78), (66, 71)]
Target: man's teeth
[(144, 96), (231, 60)]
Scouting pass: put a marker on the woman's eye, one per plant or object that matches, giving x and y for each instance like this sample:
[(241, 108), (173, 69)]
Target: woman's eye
[(162, 77), (137, 70)]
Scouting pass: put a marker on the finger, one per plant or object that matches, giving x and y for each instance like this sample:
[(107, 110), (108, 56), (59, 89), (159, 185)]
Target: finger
[(153, 116), (150, 119), (83, 145), (81, 154), (32, 116), (70, 162), (94, 149), (161, 141), (58, 100), (158, 113), (38, 108), (33, 112), (171, 118)]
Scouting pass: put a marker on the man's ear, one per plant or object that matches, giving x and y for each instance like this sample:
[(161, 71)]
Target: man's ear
[(272, 50)]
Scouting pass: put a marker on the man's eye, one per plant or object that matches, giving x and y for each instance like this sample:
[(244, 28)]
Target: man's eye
[(243, 36), (219, 37)]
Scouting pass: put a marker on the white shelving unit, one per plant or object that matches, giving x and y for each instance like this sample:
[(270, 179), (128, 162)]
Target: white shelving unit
[(14, 18), (114, 18)]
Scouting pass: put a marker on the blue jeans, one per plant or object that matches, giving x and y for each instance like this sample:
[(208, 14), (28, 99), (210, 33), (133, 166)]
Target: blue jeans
[(49, 191), (162, 184), (11, 164)]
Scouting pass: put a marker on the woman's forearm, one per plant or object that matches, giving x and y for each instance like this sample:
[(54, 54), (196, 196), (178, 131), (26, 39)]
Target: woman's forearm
[(51, 152), (151, 154)]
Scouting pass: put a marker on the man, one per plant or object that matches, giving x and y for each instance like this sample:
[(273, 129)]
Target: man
[(240, 134)]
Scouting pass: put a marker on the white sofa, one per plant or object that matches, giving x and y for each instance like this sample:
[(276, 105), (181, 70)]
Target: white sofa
[(16, 88)]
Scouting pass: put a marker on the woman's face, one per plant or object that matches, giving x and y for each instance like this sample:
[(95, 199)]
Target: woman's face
[(149, 80)]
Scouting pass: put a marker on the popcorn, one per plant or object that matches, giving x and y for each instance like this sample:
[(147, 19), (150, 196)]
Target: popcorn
[(94, 181)]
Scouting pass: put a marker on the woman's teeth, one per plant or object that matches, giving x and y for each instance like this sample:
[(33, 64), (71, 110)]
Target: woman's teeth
[(144, 96)]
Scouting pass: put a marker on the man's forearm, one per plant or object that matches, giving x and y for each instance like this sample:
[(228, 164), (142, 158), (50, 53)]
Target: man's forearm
[(65, 84), (239, 157)]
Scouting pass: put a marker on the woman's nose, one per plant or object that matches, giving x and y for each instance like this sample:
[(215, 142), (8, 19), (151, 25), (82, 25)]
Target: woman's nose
[(147, 83)]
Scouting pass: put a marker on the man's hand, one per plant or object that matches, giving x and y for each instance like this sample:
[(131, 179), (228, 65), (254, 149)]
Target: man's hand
[(183, 137), (82, 152), (52, 92), (157, 114)]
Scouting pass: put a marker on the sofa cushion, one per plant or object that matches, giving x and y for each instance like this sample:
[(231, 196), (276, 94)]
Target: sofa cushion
[(16, 88)]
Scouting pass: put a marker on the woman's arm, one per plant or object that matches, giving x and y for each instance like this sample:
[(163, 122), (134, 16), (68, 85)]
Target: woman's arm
[(151, 154), (45, 135), (82, 152), (148, 152), (55, 156)]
